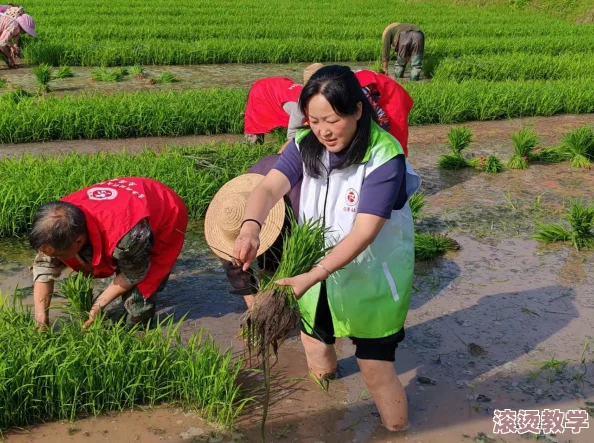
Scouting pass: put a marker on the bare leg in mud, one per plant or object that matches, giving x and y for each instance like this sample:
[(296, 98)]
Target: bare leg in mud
[(321, 358), (387, 392)]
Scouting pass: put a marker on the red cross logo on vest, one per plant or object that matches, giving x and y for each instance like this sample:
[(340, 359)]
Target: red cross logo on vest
[(102, 193), (352, 198)]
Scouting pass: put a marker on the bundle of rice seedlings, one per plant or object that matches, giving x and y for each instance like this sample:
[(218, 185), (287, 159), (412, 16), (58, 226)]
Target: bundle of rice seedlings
[(64, 72), (166, 77), (376, 66), (78, 291), (493, 165), (459, 139), (137, 71), (43, 75), (524, 141), (2, 83), (429, 246), (552, 154), (275, 311), (103, 75), (417, 203), (580, 219), (579, 146)]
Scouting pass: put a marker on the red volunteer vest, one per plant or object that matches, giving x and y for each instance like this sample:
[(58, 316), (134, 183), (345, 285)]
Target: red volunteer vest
[(394, 100), (113, 207), (264, 110)]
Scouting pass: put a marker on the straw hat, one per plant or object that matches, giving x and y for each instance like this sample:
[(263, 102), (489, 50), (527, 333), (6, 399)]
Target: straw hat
[(311, 70), (225, 214)]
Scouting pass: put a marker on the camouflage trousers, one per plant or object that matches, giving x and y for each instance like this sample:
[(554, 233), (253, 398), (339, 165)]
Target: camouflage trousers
[(140, 310), (411, 46)]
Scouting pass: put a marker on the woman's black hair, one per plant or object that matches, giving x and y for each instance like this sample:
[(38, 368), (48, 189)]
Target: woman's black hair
[(338, 85)]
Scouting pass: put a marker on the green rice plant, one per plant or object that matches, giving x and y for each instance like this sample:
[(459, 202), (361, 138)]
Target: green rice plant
[(78, 290), (105, 75), (2, 83), (64, 72), (67, 372), (166, 77), (43, 75), (452, 161), (579, 229), (417, 202), (376, 66), (579, 145), (430, 246), (524, 141)]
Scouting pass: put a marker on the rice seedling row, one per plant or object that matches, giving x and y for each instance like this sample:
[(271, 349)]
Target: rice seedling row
[(244, 31), (195, 174), (66, 372), (213, 111)]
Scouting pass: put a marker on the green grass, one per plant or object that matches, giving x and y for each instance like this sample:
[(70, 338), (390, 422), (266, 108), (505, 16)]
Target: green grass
[(578, 227), (67, 372), (64, 72), (196, 174)]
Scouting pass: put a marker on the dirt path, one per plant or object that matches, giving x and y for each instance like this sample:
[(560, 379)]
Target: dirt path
[(529, 308), (549, 128), (188, 76)]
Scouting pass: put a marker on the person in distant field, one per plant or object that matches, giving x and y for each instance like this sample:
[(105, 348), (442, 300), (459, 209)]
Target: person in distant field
[(132, 227), (13, 22), (272, 103), (408, 42), (390, 101)]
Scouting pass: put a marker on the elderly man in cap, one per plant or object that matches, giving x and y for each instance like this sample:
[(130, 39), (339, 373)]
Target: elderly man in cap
[(273, 103), (132, 227), (13, 22), (408, 41)]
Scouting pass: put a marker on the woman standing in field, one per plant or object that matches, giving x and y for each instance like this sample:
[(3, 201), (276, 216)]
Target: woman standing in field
[(356, 179), (13, 22), (272, 103)]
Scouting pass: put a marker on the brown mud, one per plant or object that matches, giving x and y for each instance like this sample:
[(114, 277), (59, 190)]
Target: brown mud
[(188, 76), (523, 304)]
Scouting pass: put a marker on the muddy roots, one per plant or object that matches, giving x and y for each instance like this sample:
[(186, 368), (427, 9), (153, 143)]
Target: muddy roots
[(272, 317)]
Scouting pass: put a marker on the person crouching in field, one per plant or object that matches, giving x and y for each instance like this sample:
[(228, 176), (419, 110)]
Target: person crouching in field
[(408, 42), (272, 103), (390, 101), (13, 22), (132, 227)]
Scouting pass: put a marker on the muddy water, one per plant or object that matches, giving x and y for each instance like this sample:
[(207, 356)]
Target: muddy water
[(189, 77), (523, 304)]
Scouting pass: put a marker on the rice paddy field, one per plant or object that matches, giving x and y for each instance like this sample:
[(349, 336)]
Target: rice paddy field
[(502, 134)]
